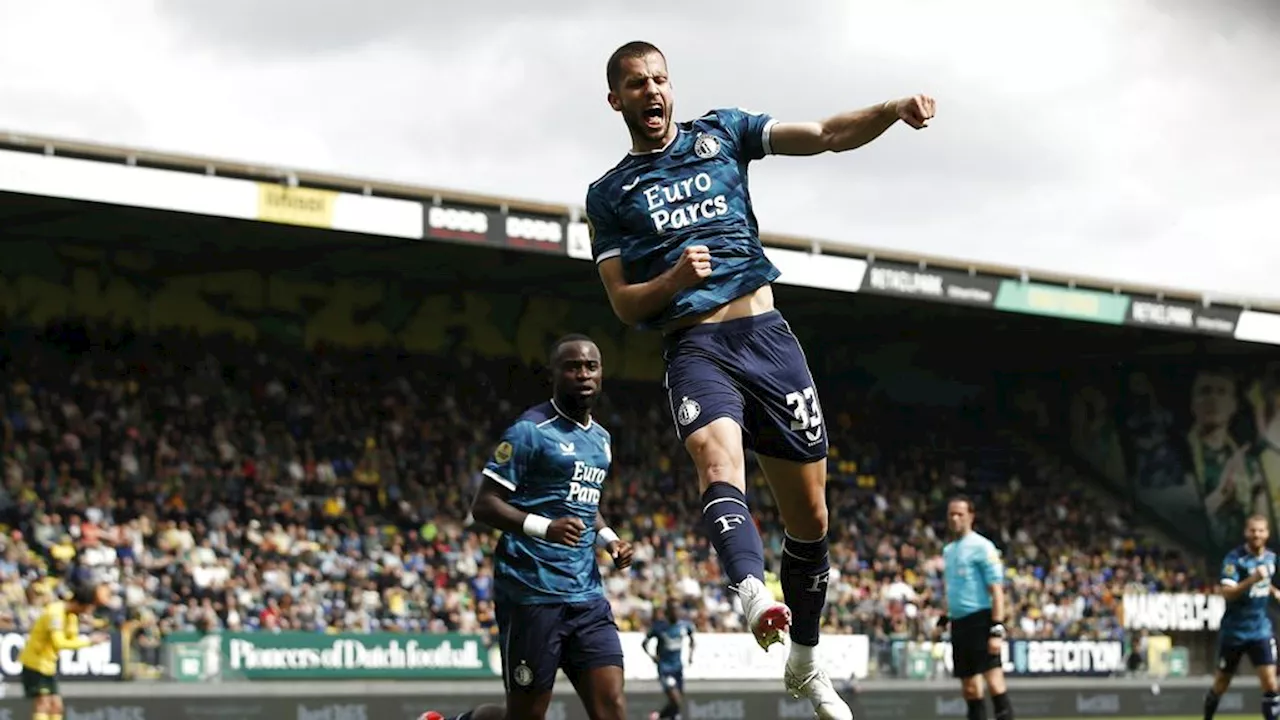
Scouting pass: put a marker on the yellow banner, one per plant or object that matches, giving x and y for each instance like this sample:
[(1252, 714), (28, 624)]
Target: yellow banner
[(295, 206)]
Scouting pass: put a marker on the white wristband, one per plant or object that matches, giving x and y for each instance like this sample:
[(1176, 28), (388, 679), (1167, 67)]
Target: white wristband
[(536, 525), (606, 536)]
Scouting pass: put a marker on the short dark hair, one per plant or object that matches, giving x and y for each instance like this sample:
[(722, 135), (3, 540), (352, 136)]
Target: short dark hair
[(565, 340), (633, 49), (968, 501)]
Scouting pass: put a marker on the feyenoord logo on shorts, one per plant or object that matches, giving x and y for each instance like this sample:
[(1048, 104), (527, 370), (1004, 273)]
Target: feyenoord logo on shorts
[(688, 412), (522, 674), (706, 146)]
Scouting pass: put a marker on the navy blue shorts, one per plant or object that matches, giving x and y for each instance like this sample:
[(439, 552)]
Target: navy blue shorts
[(754, 371), (537, 640), (671, 679), (1261, 653)]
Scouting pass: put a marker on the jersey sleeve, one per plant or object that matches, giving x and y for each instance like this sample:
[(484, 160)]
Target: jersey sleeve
[(510, 459), (990, 565), (603, 226), (1230, 576), (750, 131)]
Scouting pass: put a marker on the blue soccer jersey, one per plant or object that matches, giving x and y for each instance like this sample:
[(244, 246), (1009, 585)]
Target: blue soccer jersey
[(971, 566), (1246, 618), (651, 206), (670, 637), (553, 467)]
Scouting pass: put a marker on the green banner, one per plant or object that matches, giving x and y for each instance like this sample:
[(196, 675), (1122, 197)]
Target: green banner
[(1062, 302), (312, 656)]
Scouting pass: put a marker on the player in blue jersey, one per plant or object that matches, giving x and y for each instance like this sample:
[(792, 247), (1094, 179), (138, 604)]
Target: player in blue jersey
[(542, 489), (668, 635), (1248, 588), (678, 250), (973, 577)]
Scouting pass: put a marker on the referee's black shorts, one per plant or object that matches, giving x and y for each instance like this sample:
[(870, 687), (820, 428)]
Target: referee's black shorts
[(969, 638)]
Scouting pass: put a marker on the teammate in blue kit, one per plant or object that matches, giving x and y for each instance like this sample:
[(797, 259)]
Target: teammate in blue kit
[(668, 635), (542, 489), (1247, 586), (678, 250)]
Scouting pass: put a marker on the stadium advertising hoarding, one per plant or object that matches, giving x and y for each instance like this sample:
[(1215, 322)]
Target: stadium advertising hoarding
[(1047, 658), (929, 283), (489, 226), (1173, 612), (904, 703), (736, 656), (1182, 316), (311, 656), (1062, 302), (96, 662)]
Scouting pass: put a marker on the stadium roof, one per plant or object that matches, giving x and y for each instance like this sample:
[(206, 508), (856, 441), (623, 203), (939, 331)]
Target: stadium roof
[(390, 189)]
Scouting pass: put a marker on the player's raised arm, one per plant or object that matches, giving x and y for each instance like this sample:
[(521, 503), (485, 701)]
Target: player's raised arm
[(849, 130), (634, 303)]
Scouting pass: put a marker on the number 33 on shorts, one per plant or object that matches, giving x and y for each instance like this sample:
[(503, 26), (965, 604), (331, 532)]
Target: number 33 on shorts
[(807, 413)]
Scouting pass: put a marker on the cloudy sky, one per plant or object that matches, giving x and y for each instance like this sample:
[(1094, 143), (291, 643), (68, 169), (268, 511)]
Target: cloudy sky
[(1127, 139)]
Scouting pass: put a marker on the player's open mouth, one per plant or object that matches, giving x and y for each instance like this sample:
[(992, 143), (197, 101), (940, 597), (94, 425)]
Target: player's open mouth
[(653, 116)]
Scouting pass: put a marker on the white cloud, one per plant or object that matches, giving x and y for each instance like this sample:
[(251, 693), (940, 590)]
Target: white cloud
[(1085, 136)]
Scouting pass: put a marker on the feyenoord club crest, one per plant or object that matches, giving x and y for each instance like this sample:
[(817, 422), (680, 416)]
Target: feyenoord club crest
[(688, 412), (706, 146)]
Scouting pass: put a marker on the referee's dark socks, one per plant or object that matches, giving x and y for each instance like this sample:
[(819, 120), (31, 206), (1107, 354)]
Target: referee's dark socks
[(805, 567), (727, 521), (1210, 704), (977, 709), (1002, 707), (1271, 706)]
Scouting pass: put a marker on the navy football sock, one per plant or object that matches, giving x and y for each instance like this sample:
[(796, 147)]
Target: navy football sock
[(977, 710), (1210, 704), (805, 568), (727, 521), (1271, 706)]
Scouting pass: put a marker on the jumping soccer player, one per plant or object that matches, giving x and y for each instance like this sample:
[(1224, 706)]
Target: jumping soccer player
[(57, 629), (668, 635), (974, 578), (677, 247), (1247, 586), (542, 489)]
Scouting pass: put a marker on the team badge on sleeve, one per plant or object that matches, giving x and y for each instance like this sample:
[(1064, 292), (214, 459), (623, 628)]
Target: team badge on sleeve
[(502, 453)]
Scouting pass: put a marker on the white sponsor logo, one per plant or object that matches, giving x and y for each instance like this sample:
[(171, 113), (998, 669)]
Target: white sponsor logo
[(350, 654), (1188, 612), (458, 220), (1073, 657), (684, 202), (905, 282), (92, 661), (583, 472), (543, 231), (583, 494), (1152, 313)]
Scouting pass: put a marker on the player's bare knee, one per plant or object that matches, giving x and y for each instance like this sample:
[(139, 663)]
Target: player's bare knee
[(610, 706), (716, 456), (971, 688)]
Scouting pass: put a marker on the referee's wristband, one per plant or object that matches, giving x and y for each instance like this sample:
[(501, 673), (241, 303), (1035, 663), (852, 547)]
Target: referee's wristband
[(536, 526), (606, 536)]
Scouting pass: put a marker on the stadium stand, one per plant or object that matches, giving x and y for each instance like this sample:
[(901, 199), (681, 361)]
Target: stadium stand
[(223, 485)]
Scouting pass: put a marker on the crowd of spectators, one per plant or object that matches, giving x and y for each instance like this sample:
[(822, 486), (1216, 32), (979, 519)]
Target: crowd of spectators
[(228, 487)]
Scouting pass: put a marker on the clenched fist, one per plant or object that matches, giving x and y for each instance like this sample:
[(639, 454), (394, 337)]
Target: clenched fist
[(693, 267), (916, 110)]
